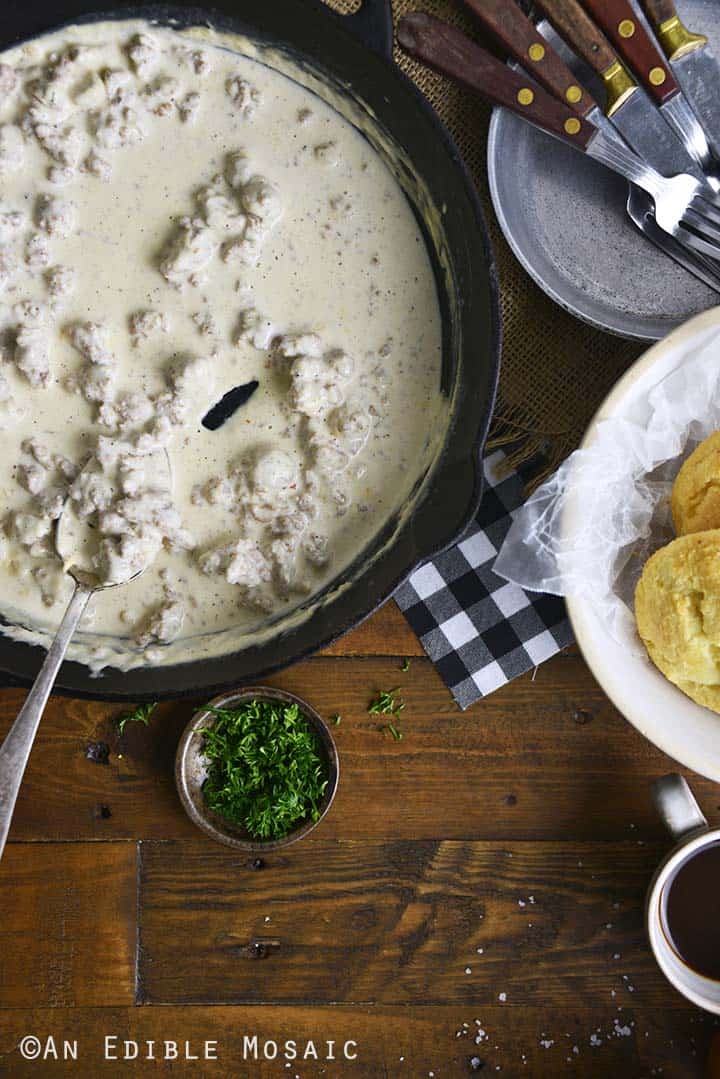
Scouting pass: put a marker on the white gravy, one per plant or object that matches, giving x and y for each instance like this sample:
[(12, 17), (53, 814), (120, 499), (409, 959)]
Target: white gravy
[(178, 221)]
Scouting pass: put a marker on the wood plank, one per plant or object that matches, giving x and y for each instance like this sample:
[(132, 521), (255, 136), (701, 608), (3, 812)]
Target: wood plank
[(540, 759), (391, 1042), (399, 923), (67, 933), (384, 633)]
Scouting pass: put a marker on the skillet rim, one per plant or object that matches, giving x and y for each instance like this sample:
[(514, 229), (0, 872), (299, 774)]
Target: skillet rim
[(75, 680)]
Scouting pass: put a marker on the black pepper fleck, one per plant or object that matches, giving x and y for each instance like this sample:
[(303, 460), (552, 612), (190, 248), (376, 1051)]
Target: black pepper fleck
[(256, 863), (581, 717), (98, 752)]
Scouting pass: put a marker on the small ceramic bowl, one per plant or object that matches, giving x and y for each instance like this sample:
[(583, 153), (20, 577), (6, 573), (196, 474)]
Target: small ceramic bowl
[(191, 768)]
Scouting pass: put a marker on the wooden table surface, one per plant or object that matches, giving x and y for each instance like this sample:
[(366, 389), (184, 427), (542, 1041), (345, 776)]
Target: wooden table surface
[(472, 903)]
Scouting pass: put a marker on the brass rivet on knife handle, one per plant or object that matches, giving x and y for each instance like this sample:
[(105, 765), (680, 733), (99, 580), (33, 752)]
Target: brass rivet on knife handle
[(574, 24), (619, 85), (639, 51), (525, 96), (452, 53), (521, 39), (677, 41), (626, 28)]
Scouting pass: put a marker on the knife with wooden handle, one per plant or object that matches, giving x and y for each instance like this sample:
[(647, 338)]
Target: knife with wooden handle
[(575, 26), (618, 20), (452, 53), (521, 39), (672, 34), (628, 106), (693, 65)]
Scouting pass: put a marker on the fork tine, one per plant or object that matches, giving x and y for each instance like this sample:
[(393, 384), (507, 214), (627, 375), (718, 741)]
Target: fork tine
[(711, 195), (697, 243), (701, 267), (707, 208), (706, 227), (706, 269)]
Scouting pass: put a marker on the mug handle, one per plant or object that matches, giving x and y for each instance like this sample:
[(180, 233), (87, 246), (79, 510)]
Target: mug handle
[(676, 805)]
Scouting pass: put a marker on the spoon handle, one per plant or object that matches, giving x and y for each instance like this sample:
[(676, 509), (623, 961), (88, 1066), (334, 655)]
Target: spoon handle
[(15, 750)]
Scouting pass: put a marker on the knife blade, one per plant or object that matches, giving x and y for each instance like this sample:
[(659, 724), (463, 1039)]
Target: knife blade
[(617, 18), (693, 63), (628, 106)]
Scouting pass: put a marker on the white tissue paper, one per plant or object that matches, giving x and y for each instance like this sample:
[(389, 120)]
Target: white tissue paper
[(591, 527)]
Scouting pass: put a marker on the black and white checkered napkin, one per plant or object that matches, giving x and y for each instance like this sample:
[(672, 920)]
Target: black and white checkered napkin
[(479, 630)]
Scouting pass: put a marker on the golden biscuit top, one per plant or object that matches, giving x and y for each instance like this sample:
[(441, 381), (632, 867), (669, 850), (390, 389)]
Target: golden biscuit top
[(677, 607), (695, 500)]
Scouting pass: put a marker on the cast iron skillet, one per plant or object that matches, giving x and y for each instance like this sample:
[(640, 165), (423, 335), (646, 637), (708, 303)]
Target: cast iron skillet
[(352, 55)]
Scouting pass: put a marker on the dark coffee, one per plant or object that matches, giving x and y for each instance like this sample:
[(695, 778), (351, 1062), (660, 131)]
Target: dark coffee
[(690, 911)]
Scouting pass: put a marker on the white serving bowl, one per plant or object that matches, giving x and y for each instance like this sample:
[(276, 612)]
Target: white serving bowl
[(678, 726)]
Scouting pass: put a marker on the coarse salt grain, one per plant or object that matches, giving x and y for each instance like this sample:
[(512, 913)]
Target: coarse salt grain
[(502, 997)]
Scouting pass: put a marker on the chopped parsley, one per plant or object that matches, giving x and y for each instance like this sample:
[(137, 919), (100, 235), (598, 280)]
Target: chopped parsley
[(141, 715), (405, 665), (386, 704), (392, 729), (336, 720), (267, 773)]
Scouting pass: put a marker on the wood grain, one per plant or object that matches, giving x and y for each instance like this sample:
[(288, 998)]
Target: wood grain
[(434, 842), (399, 923), (548, 757), (385, 633), (393, 1043), (67, 932)]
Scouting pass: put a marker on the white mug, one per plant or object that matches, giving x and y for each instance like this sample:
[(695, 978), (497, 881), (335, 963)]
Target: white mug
[(685, 821)]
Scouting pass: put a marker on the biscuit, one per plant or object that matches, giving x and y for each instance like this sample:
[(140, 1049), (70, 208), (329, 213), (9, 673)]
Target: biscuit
[(695, 499), (677, 608)]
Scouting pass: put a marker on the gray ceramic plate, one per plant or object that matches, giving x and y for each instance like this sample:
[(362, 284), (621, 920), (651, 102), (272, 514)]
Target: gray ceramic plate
[(564, 217)]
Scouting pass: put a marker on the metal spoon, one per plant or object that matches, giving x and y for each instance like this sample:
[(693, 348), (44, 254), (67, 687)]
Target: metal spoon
[(15, 750)]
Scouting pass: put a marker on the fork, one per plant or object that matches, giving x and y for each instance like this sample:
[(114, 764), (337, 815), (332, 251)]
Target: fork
[(681, 207), (529, 48), (641, 211)]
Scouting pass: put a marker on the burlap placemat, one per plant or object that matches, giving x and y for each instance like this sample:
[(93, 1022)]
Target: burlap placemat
[(555, 369)]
